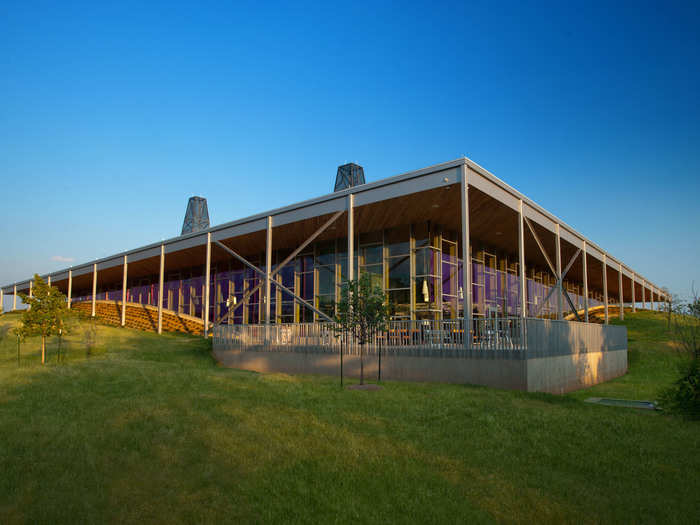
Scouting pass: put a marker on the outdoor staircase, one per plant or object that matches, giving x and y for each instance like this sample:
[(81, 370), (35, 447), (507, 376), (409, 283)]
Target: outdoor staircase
[(142, 317)]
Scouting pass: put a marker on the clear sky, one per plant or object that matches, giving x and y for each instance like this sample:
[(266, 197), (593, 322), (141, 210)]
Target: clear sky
[(111, 116)]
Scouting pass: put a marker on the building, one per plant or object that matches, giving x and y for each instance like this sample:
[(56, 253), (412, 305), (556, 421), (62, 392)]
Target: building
[(410, 232)]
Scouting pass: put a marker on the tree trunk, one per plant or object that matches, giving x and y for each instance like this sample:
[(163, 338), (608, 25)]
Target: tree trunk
[(341, 356), (379, 369), (43, 349), (362, 364)]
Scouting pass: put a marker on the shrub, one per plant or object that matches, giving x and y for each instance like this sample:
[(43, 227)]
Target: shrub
[(683, 397)]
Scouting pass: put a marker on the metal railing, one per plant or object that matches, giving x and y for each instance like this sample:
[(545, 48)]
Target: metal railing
[(424, 336)]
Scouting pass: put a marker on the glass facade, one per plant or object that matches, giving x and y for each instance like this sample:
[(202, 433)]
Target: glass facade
[(418, 266)]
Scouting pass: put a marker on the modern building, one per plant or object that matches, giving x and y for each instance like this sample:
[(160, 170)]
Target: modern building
[(411, 233)]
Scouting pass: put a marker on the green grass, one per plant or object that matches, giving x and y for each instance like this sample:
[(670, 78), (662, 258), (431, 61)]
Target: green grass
[(148, 428)]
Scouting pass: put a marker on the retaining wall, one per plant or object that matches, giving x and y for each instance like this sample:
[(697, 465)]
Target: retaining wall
[(560, 357)]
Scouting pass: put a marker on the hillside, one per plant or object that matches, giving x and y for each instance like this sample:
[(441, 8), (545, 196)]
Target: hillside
[(148, 428)]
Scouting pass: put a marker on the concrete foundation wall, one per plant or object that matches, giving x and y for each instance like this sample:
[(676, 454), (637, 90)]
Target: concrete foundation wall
[(559, 357), (565, 373), (509, 374)]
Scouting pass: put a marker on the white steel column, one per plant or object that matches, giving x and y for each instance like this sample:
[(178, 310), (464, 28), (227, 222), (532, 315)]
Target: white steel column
[(466, 258), (622, 294), (560, 284), (126, 264), (14, 299), (48, 280), (585, 282), (2, 301), (644, 294), (634, 306), (351, 237), (70, 286), (605, 286), (207, 286), (29, 307), (521, 259), (94, 288), (268, 268), (161, 278)]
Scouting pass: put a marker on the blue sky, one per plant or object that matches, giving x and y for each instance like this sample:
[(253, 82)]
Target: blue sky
[(112, 116)]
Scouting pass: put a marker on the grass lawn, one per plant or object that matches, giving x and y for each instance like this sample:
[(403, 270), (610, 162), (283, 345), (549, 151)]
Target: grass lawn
[(148, 428)]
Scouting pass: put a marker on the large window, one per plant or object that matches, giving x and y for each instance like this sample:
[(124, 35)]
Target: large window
[(372, 257), (251, 307), (325, 275), (450, 279), (397, 242), (304, 268), (426, 283), (285, 313)]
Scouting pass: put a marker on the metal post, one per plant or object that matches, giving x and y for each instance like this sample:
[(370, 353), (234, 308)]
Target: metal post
[(622, 294), (560, 284), (605, 286), (48, 280), (14, 299), (94, 288), (160, 288), (268, 268), (644, 294), (351, 267), (634, 300), (466, 259), (585, 282), (70, 286), (351, 237), (521, 259), (207, 285), (126, 264)]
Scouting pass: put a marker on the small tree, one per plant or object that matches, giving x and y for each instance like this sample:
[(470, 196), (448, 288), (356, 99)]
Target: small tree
[(46, 313), (671, 305), (362, 312), (89, 336), (686, 327), (17, 332)]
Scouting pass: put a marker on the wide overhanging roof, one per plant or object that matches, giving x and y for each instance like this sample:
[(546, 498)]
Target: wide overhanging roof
[(399, 199)]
